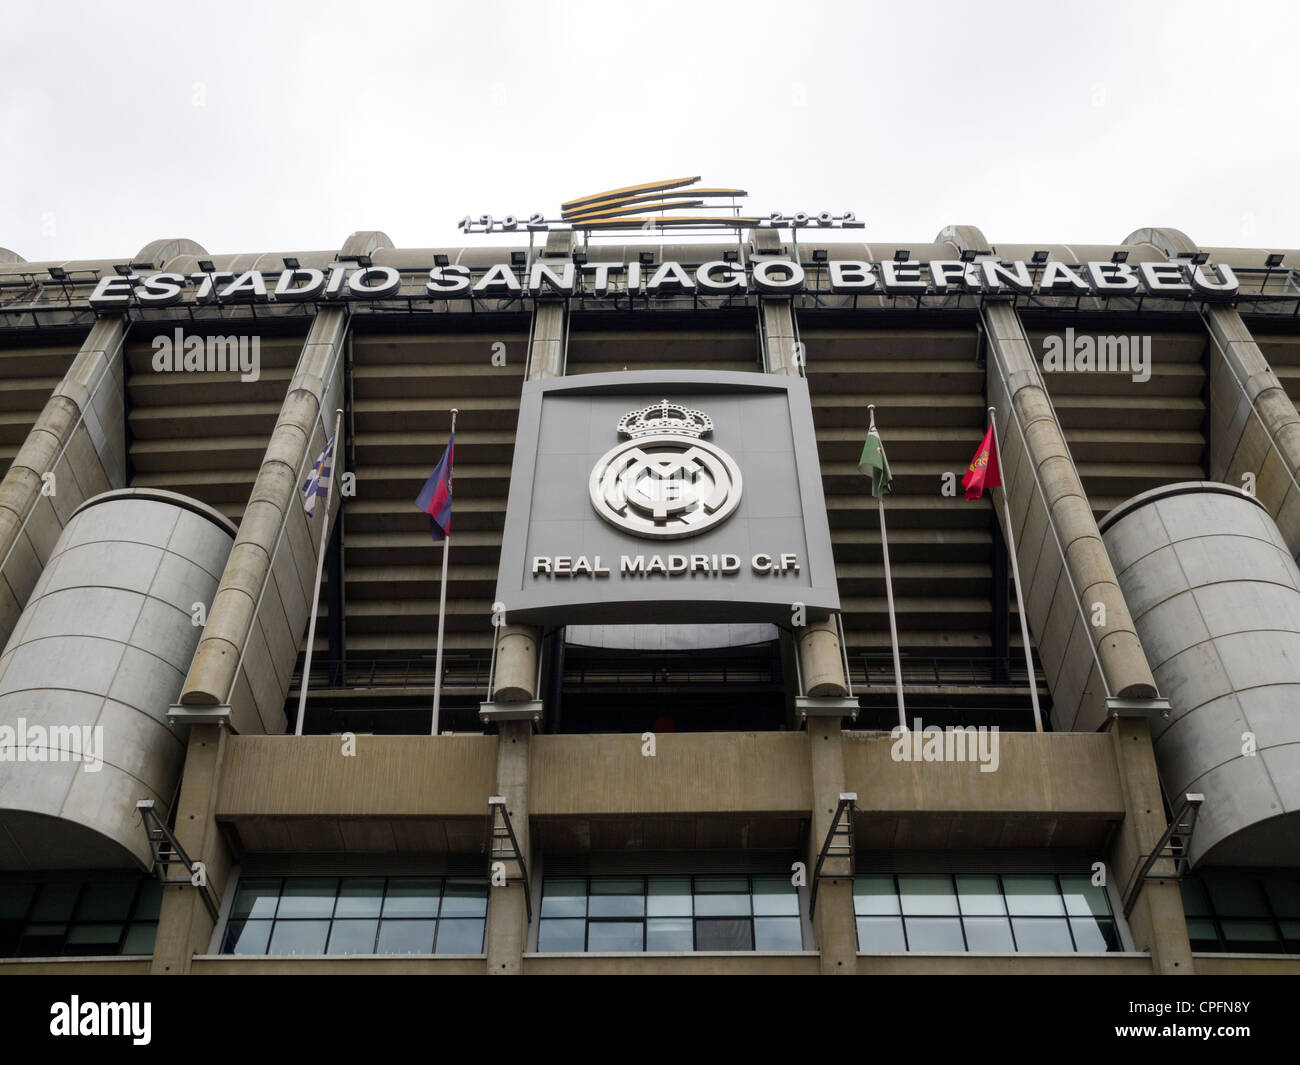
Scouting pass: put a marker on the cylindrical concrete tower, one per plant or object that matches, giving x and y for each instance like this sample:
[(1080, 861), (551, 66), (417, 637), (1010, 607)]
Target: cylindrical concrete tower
[(97, 657), (1215, 595)]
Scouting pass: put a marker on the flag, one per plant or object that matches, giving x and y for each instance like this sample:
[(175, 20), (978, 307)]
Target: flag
[(983, 471), (435, 497), (317, 485), (874, 464)]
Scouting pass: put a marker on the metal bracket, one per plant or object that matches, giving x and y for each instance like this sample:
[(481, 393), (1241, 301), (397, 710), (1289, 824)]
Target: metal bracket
[(503, 846), (838, 845), (1151, 709), (1182, 826), (526, 711), (806, 706), (198, 715), (167, 852)]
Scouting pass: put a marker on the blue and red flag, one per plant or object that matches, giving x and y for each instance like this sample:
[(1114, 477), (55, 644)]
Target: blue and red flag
[(435, 497)]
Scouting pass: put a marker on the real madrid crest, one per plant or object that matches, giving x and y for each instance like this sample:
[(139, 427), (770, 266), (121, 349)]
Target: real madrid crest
[(665, 482)]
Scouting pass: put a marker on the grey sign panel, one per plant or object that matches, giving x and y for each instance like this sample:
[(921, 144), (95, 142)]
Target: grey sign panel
[(666, 496)]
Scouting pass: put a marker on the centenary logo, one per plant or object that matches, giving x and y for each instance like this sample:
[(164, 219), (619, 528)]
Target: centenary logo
[(665, 483)]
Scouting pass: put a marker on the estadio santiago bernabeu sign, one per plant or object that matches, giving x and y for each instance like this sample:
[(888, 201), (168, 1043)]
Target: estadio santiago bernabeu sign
[(655, 496), (559, 278)]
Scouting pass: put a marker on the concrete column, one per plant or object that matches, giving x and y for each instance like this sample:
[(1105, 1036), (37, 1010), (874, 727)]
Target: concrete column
[(517, 645), (1157, 921), (784, 355), (515, 678), (1062, 625), (833, 922), (80, 439), (231, 620), (550, 320), (821, 661), (507, 929), (184, 926), (1254, 427)]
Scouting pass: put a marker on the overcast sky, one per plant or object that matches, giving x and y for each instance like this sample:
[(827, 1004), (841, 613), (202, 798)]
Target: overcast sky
[(279, 126)]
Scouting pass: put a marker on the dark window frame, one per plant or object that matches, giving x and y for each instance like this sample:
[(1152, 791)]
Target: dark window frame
[(694, 917), (235, 924), (1110, 921)]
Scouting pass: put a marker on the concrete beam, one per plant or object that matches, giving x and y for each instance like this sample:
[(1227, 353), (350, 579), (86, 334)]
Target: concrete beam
[(507, 927), (1157, 921), (821, 661), (184, 925), (834, 925)]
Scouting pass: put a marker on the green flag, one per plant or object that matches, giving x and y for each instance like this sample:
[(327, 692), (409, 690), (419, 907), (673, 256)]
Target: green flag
[(874, 464)]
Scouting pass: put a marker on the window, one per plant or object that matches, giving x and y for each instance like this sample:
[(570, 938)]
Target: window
[(1243, 913), (984, 913), (71, 917), (357, 915), (668, 913)]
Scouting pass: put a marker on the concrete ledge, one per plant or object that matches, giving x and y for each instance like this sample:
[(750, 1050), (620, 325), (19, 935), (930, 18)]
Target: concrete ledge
[(1057, 773), (700, 963), (388, 776), (917, 964), (1246, 964), (341, 965), (134, 965), (715, 772)]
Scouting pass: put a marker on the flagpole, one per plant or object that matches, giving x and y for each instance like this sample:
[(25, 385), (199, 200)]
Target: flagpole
[(442, 614), (1015, 572), (889, 595), (320, 565)]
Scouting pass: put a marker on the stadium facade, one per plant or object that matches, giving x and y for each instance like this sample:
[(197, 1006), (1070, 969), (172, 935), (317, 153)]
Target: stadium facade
[(667, 729)]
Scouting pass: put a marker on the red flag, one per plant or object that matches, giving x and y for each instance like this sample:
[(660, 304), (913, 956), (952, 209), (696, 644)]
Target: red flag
[(983, 471)]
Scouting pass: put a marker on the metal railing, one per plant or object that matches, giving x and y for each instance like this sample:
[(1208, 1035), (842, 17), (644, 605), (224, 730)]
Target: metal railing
[(458, 672), (659, 676), (874, 671)]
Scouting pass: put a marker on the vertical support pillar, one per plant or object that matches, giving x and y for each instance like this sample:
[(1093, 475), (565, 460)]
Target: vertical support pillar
[(184, 925), (834, 926), (516, 674), (821, 661), (507, 931), (1157, 921)]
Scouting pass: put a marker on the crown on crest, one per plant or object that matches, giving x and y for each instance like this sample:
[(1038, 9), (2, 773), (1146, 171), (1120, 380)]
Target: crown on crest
[(665, 418)]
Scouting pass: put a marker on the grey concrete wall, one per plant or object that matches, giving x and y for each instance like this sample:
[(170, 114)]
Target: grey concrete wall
[(103, 644), (79, 439), (1216, 596)]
